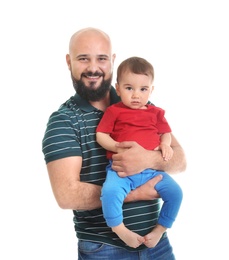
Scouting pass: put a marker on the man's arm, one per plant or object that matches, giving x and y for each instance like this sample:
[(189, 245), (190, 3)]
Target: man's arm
[(137, 159), (71, 193)]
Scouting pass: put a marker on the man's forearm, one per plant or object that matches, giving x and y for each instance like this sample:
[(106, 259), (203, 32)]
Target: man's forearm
[(136, 159), (176, 164)]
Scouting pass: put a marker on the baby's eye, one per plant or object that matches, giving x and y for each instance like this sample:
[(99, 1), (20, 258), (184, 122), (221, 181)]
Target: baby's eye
[(144, 89)]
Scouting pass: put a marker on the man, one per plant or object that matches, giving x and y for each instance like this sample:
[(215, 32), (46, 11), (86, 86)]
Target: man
[(76, 163)]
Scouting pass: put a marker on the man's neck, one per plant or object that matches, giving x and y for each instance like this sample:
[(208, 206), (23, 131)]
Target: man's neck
[(102, 104)]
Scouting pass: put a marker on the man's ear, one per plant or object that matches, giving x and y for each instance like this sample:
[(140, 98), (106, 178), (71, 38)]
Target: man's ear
[(68, 60)]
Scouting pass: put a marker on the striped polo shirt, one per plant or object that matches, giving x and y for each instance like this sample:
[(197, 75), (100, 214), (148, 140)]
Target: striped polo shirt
[(71, 132)]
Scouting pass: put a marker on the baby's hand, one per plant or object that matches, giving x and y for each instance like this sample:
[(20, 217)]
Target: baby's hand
[(167, 151)]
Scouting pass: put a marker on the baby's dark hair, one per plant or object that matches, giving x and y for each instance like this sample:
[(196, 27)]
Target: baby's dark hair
[(135, 65)]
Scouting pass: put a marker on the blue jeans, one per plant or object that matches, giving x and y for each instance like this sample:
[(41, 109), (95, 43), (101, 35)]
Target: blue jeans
[(97, 251)]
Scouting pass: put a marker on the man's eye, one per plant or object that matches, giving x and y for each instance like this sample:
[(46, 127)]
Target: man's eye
[(83, 59), (102, 59)]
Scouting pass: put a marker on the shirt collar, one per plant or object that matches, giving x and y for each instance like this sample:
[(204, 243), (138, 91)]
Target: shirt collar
[(87, 107)]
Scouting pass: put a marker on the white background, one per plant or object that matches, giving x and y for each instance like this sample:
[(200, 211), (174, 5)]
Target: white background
[(187, 43)]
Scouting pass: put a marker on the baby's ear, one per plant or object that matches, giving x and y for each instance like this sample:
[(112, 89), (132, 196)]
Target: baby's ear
[(117, 89)]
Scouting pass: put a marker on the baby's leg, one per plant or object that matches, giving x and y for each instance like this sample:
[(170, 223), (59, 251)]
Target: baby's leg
[(131, 238), (154, 236), (171, 194), (114, 191)]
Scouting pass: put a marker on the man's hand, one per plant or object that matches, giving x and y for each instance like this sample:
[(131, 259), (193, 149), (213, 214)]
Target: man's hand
[(134, 160), (145, 191)]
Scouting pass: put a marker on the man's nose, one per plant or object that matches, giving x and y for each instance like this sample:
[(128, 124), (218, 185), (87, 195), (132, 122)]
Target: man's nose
[(92, 66)]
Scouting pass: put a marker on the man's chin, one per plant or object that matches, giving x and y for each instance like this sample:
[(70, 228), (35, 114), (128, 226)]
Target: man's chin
[(92, 83)]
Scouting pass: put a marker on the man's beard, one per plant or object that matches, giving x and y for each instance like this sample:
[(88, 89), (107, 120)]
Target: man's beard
[(89, 93)]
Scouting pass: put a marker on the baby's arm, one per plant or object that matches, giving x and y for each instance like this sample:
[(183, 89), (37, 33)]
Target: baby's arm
[(165, 146), (106, 141)]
